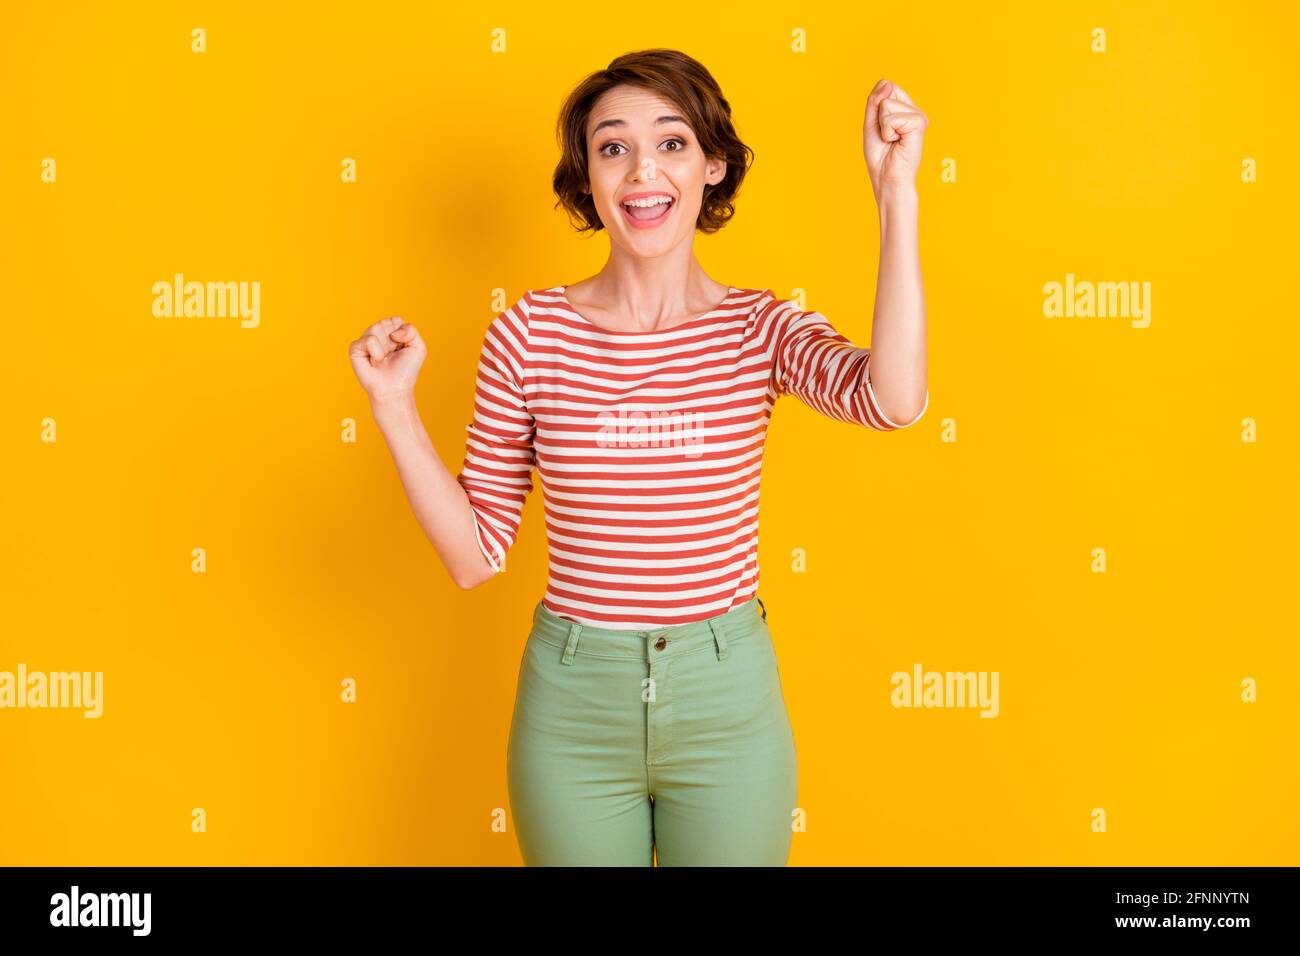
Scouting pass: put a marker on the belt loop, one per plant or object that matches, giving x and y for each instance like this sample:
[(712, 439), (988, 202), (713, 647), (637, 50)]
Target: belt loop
[(719, 638), (572, 644)]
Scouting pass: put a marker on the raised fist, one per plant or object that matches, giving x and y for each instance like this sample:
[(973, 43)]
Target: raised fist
[(891, 137)]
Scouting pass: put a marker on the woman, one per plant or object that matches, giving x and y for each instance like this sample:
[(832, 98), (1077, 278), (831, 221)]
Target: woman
[(649, 717)]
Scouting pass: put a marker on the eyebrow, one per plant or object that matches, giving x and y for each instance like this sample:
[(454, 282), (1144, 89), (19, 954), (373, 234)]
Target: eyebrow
[(670, 118)]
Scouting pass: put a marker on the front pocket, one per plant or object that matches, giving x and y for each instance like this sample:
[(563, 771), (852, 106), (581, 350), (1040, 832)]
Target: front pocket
[(763, 637)]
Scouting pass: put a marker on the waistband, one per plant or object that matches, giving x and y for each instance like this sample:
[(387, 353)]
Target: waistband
[(649, 645)]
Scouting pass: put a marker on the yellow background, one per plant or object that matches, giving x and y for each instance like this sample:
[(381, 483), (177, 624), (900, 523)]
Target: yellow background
[(222, 690)]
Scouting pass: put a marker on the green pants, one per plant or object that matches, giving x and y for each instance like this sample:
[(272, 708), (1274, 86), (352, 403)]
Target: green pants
[(673, 742)]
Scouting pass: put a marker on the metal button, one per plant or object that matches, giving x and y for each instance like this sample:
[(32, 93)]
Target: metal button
[(661, 644)]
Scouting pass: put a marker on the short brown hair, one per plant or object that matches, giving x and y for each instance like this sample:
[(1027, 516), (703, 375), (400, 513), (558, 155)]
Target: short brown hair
[(682, 81)]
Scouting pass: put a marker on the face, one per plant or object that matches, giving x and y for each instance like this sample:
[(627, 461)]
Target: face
[(641, 150)]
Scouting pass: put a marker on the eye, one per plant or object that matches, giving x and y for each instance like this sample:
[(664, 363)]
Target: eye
[(679, 141)]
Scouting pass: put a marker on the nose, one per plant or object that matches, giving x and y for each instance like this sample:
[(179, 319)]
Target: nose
[(644, 170)]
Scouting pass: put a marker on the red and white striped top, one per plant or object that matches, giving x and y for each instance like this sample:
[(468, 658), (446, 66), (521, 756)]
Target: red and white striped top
[(649, 446)]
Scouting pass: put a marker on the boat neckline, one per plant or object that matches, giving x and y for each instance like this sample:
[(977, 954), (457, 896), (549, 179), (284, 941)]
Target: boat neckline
[(732, 293)]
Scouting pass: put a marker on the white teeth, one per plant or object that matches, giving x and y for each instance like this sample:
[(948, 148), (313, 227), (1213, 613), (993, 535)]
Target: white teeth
[(647, 203)]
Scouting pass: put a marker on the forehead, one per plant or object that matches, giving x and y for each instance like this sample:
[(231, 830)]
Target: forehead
[(631, 104)]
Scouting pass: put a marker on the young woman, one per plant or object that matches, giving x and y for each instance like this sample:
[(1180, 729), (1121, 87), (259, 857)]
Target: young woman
[(649, 717)]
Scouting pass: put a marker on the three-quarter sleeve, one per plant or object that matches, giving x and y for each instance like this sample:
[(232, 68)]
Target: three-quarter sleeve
[(822, 368), (497, 473)]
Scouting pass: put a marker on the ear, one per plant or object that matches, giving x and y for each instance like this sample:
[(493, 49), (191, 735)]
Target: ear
[(715, 171)]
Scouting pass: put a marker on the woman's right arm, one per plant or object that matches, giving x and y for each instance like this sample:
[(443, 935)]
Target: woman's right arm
[(387, 359), (439, 501)]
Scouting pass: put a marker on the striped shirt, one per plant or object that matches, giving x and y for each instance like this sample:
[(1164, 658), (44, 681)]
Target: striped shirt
[(649, 446)]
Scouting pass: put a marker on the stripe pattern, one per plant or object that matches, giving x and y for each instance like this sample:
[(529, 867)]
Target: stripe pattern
[(648, 445)]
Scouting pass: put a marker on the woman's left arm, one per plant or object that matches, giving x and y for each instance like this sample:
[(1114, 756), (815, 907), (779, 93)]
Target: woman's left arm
[(891, 145)]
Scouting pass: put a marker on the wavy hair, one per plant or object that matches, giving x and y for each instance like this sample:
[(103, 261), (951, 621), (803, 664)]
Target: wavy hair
[(685, 83)]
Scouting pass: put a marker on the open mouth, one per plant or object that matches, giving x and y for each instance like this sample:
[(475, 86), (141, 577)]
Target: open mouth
[(648, 211)]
